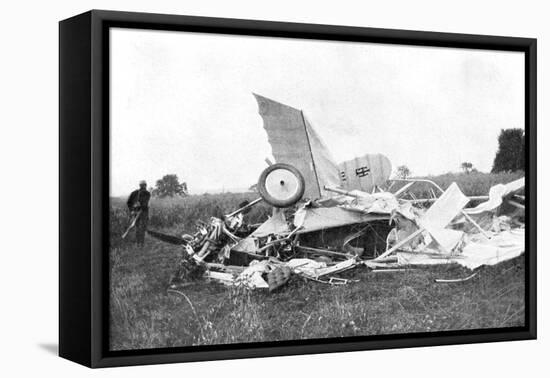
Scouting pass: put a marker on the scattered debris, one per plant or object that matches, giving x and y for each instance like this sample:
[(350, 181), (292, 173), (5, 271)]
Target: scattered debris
[(390, 270), (329, 218), (455, 280)]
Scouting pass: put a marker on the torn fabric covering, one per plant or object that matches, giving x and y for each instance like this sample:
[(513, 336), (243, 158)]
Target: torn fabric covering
[(315, 269), (319, 218), (294, 141), (377, 203), (247, 245), (251, 277), (446, 239), (341, 266), (441, 213), (404, 227), (305, 266), (407, 211), (502, 246), (419, 258), (496, 194), (276, 224), (445, 209)]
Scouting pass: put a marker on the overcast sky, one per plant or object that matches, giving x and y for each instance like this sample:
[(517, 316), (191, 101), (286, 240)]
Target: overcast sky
[(182, 103)]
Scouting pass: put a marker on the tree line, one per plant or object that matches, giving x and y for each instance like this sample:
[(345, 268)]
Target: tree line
[(510, 155)]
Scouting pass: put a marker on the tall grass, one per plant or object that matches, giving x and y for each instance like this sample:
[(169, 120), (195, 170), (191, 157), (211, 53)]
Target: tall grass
[(182, 213), (143, 315), (471, 184)]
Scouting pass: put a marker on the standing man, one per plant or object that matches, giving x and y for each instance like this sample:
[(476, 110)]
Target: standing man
[(138, 204)]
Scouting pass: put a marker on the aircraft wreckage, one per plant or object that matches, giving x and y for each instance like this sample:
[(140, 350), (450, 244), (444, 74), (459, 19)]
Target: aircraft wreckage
[(328, 218)]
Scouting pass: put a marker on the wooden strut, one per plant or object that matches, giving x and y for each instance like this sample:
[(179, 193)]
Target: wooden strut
[(400, 244), (325, 252), (441, 280), (517, 205), (279, 241), (391, 270), (244, 208), (409, 238), (331, 280), (311, 153), (483, 232), (272, 243), (340, 191)]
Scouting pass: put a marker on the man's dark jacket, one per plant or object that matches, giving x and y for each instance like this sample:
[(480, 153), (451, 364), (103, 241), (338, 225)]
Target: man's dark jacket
[(139, 197)]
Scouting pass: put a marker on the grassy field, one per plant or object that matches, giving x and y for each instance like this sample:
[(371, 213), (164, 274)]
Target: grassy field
[(143, 315)]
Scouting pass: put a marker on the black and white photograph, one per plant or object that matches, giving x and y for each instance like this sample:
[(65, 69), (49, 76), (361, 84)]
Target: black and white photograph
[(210, 188), (266, 189)]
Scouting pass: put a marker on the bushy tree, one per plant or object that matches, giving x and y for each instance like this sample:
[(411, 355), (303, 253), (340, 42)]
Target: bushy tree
[(403, 172), (467, 167), (169, 186), (510, 155)]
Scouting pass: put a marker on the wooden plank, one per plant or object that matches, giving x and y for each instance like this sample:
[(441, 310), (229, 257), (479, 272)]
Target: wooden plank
[(324, 252), (402, 243)]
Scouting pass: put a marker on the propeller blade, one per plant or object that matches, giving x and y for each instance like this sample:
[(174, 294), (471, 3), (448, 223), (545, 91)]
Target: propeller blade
[(172, 239)]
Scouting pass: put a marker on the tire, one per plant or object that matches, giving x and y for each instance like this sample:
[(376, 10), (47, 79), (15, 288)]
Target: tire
[(281, 185)]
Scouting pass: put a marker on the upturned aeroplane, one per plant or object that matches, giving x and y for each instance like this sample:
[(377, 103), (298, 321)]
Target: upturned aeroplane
[(320, 207)]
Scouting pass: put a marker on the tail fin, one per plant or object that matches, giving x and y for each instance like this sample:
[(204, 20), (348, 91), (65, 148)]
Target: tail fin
[(294, 141)]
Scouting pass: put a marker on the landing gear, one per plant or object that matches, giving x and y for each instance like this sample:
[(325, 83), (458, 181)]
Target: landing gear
[(281, 185)]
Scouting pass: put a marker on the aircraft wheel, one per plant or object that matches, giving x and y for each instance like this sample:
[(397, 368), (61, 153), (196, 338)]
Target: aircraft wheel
[(281, 185)]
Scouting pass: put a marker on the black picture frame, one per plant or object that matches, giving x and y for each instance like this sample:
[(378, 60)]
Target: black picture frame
[(84, 186)]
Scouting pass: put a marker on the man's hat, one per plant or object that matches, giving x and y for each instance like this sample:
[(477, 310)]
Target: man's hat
[(143, 182)]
